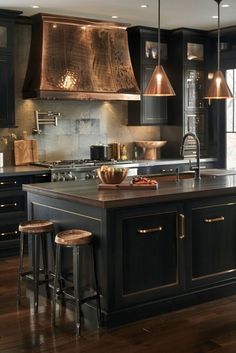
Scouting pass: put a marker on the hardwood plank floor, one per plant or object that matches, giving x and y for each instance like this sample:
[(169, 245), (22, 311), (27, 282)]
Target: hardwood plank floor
[(209, 327)]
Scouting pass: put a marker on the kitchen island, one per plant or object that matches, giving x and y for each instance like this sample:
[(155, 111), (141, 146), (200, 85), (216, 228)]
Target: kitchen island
[(157, 250)]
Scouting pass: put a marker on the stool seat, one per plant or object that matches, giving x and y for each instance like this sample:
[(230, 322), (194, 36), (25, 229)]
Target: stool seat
[(36, 227), (73, 237), (39, 230)]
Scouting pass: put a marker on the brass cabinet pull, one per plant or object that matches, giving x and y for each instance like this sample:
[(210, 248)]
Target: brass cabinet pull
[(8, 182), (9, 233), (4, 205), (181, 226), (214, 220), (150, 230)]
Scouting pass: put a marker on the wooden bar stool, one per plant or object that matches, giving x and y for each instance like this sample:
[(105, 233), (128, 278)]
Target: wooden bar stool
[(38, 229), (74, 238)]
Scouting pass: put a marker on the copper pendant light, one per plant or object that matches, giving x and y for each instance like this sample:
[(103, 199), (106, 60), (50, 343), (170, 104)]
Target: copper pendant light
[(159, 84), (218, 88)]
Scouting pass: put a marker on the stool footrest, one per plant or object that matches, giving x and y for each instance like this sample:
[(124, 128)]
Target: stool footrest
[(64, 295), (22, 274)]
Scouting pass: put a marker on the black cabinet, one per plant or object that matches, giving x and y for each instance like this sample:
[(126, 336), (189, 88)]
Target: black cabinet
[(188, 110), (7, 89), (13, 209), (211, 248), (163, 250), (143, 51), (148, 252)]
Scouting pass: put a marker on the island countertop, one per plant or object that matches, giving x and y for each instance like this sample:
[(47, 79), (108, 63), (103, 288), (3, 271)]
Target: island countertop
[(86, 192)]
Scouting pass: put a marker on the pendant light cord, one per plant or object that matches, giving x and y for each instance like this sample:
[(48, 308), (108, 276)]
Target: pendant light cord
[(218, 37), (159, 34)]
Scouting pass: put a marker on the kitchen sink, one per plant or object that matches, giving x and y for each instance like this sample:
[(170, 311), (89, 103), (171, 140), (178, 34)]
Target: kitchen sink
[(205, 173), (171, 176), (217, 172)]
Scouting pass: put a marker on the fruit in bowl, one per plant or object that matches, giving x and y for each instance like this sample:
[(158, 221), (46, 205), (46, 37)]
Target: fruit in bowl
[(111, 175)]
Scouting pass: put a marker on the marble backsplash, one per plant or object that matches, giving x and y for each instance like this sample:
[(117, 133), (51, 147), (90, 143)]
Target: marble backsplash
[(81, 124)]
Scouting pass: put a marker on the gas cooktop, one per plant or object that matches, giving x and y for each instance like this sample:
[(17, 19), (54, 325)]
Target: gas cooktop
[(74, 163)]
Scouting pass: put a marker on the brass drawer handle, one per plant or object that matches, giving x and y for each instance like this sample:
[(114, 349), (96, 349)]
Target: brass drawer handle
[(9, 233), (5, 205), (150, 230), (214, 220), (8, 182), (181, 226)]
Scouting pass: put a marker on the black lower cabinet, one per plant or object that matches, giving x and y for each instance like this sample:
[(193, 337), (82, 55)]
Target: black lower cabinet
[(164, 251), (148, 248), (212, 244), (13, 209)]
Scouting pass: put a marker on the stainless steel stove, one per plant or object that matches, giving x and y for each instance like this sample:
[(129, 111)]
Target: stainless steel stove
[(77, 169)]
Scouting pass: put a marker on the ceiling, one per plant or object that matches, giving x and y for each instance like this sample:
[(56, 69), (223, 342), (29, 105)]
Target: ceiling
[(174, 13)]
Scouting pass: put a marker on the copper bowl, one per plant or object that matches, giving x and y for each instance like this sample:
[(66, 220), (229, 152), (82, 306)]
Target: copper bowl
[(111, 175)]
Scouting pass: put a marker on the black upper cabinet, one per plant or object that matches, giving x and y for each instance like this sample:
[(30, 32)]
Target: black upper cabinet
[(7, 89), (143, 44), (188, 110)]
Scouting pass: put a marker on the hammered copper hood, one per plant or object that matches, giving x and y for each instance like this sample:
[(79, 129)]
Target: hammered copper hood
[(75, 58)]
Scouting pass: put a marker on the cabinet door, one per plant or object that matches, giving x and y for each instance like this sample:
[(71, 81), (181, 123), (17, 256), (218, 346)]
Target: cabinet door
[(213, 244), (194, 89), (149, 252), (154, 109), (6, 36), (7, 112)]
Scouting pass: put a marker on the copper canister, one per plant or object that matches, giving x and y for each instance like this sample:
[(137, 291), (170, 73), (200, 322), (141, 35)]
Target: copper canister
[(115, 150)]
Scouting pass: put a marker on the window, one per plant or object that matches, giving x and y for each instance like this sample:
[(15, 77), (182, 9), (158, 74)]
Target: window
[(231, 121), (230, 103)]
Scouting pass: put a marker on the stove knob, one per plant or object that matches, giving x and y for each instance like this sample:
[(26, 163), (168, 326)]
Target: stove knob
[(61, 177), (54, 177), (68, 176), (88, 176)]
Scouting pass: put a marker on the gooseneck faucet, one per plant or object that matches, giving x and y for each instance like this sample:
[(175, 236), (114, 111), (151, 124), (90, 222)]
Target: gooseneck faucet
[(194, 136)]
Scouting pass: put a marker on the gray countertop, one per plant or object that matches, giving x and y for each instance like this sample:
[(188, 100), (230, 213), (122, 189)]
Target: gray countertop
[(21, 170), (86, 192)]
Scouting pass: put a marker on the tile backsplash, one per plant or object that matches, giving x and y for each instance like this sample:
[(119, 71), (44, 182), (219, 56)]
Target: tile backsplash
[(81, 124)]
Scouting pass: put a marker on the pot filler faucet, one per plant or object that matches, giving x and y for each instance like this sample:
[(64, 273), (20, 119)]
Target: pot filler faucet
[(194, 136)]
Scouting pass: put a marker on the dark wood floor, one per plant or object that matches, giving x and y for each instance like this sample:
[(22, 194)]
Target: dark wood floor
[(209, 327)]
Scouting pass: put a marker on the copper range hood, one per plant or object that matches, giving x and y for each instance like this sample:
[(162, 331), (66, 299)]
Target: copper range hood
[(76, 58)]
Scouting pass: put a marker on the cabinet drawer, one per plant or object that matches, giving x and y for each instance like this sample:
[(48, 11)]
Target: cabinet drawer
[(41, 178), (9, 232), (9, 183), (14, 203)]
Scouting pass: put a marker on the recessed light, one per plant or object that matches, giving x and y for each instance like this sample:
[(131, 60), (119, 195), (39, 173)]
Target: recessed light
[(215, 16), (114, 16), (225, 5), (144, 6), (35, 6)]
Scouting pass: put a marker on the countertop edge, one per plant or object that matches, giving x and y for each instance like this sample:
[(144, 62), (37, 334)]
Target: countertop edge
[(87, 192)]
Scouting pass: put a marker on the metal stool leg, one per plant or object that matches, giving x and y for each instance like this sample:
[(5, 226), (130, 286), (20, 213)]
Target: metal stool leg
[(99, 315), (77, 290), (36, 249), (57, 272), (45, 262), (20, 268)]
